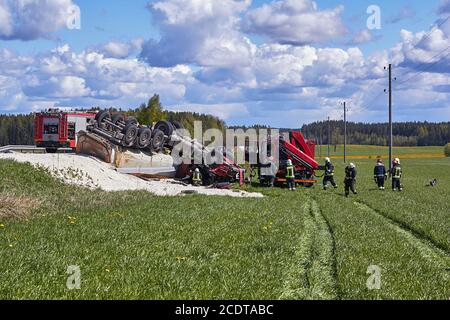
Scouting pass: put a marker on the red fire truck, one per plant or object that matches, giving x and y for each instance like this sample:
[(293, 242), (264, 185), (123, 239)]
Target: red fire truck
[(54, 129)]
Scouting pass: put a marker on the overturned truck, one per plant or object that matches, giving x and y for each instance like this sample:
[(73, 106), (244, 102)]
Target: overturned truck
[(145, 150), (290, 145)]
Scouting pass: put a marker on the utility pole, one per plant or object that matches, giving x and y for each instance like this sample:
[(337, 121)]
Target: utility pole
[(345, 132), (329, 137), (390, 117)]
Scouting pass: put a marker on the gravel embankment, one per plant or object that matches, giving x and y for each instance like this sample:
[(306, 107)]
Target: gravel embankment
[(92, 173)]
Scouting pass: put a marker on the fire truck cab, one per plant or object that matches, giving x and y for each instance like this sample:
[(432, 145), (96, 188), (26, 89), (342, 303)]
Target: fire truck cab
[(54, 129)]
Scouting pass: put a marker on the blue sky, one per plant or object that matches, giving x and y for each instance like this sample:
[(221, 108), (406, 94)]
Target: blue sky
[(281, 63), (103, 20)]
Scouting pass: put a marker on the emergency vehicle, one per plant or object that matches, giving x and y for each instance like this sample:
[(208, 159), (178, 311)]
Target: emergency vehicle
[(55, 129)]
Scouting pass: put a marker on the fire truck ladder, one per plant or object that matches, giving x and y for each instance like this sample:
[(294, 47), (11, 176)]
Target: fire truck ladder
[(296, 155)]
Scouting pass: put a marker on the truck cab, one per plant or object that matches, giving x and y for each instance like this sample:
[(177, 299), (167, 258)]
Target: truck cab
[(55, 129)]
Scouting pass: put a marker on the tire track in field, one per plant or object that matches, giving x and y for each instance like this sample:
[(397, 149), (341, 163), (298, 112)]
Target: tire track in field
[(313, 275), (433, 254)]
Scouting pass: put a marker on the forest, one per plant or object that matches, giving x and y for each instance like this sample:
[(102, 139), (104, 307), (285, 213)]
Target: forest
[(404, 133), (18, 129)]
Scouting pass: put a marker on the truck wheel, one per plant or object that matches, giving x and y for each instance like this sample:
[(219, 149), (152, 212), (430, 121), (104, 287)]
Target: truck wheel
[(131, 120), (51, 150), (158, 140), (102, 116), (130, 133), (165, 126), (177, 125), (117, 117), (144, 137)]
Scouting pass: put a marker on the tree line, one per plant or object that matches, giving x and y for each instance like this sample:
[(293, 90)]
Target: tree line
[(18, 129), (404, 133)]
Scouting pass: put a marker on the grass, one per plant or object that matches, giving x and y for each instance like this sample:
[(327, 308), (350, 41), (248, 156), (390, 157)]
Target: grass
[(135, 245), (371, 152), (309, 244)]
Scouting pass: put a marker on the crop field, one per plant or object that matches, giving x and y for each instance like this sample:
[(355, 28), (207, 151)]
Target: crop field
[(307, 244), (371, 152)]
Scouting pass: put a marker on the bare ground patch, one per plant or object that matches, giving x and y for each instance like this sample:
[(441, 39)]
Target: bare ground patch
[(20, 207)]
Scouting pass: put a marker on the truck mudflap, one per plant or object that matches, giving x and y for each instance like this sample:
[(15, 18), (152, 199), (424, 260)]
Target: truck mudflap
[(94, 145)]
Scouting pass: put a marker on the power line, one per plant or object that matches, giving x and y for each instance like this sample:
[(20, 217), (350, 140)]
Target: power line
[(430, 32), (371, 102), (428, 66), (413, 76), (420, 41)]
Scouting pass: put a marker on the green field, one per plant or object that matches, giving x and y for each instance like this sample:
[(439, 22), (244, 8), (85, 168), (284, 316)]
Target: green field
[(357, 151), (308, 244)]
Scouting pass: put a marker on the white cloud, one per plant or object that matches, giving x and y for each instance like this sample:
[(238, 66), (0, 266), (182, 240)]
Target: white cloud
[(87, 78), (6, 27), (116, 49), (56, 87), (32, 19), (119, 49), (362, 37), (297, 22), (422, 51), (444, 7), (197, 32), (204, 62)]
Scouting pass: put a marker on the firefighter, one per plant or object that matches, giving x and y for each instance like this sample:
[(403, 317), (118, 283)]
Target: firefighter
[(290, 175), (350, 179), (197, 179), (380, 174), (329, 174), (396, 175)]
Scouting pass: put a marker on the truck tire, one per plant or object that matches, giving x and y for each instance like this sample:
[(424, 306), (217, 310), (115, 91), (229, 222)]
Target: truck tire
[(130, 133), (144, 137), (131, 120), (165, 126), (177, 125), (102, 116), (117, 117), (51, 150), (157, 140)]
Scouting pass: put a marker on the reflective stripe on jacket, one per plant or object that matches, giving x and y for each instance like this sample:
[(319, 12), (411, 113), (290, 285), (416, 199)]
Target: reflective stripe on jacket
[(397, 172), (196, 177), (329, 169), (290, 174)]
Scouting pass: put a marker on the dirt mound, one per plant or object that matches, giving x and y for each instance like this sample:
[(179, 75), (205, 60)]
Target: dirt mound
[(92, 173)]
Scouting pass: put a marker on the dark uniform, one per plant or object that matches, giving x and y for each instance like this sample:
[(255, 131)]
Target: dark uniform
[(396, 177), (329, 175), (350, 180), (380, 175)]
